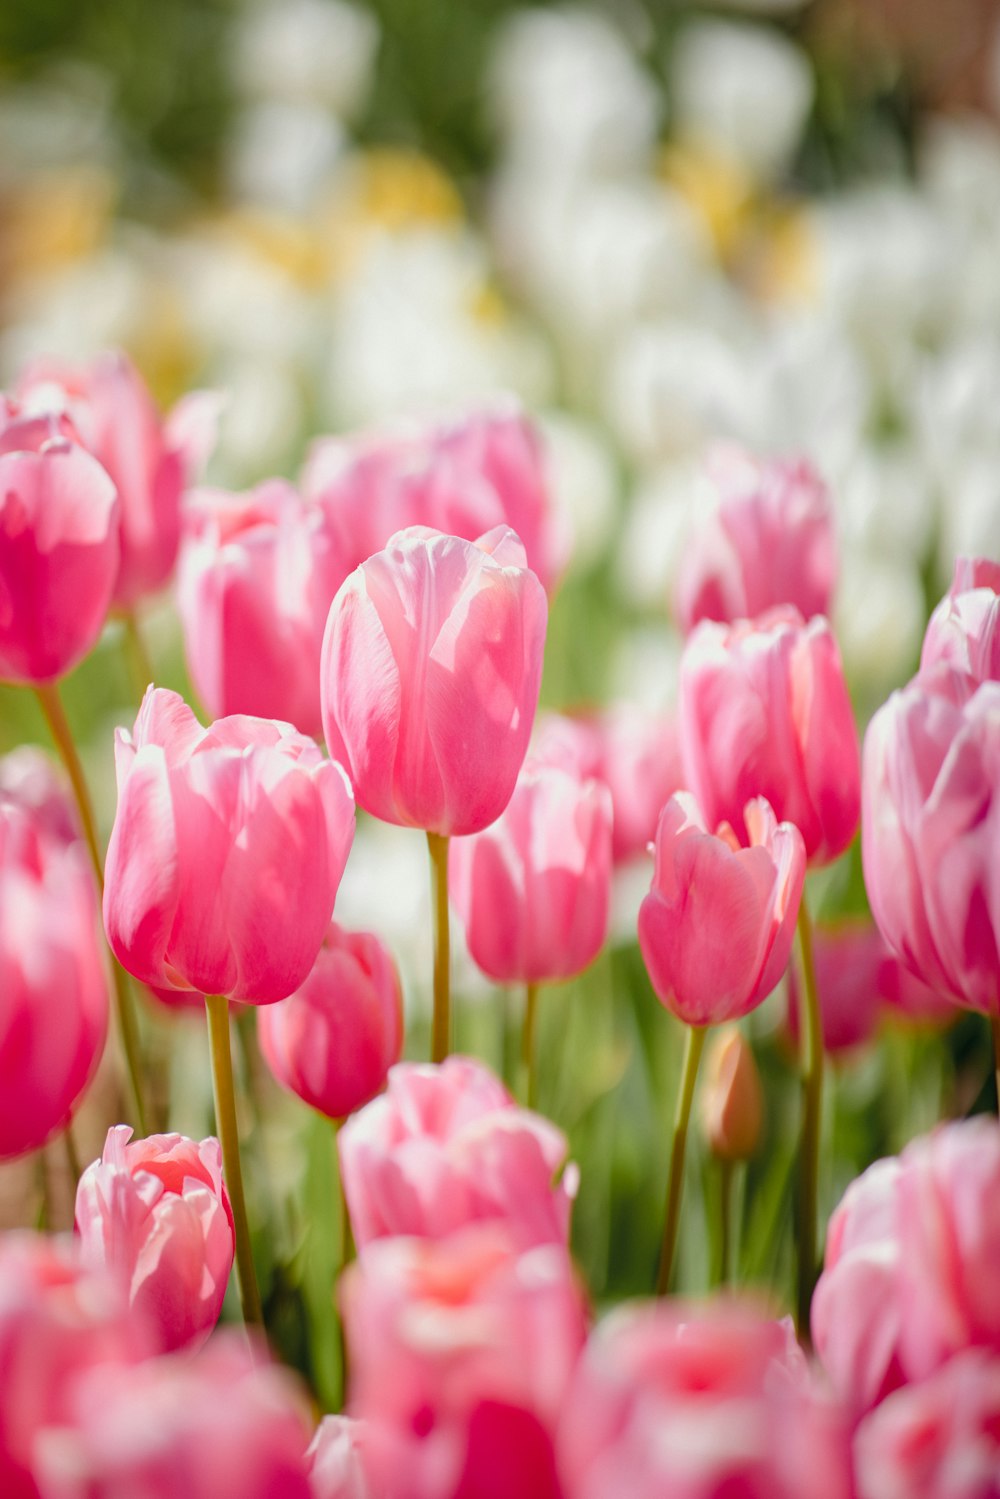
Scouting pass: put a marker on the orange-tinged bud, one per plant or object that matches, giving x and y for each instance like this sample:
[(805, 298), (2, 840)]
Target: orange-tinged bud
[(732, 1103)]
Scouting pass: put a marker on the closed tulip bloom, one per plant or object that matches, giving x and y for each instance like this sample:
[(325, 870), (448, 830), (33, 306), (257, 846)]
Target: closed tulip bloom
[(929, 832), (964, 629), (717, 925), (59, 548), (764, 711), (333, 1041), (335, 1460), (445, 1146), (256, 579), (156, 1213), (432, 662), (228, 846), (770, 542), (533, 889), (732, 1100), (460, 1353)]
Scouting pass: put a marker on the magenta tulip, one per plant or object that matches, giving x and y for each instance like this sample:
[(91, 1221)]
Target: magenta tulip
[(157, 1214), (333, 1041), (432, 662), (964, 629), (226, 853), (764, 711), (717, 925)]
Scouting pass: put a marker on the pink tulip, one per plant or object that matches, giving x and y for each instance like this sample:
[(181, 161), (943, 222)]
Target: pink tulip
[(699, 1404), (930, 830), (59, 547), (964, 629), (53, 980), (333, 1041), (432, 662), (717, 925), (463, 478), (770, 542), (335, 1460), (150, 462), (936, 1440), (226, 853), (460, 1354), (257, 577), (221, 1423), (30, 780), (447, 1146), (157, 1214), (533, 889)]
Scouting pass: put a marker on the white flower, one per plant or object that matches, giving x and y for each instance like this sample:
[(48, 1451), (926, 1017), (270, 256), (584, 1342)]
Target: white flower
[(307, 51)]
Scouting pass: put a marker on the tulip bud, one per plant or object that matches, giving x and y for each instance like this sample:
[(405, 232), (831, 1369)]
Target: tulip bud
[(732, 1103), (964, 629)]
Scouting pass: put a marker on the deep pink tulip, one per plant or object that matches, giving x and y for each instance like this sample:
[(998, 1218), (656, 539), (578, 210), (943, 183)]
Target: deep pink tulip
[(699, 1404), (226, 853), (256, 579), (460, 1354), (445, 1146), (939, 1439), (533, 889), (157, 1214), (150, 461), (462, 477), (432, 662), (59, 547), (335, 1460), (964, 629), (764, 711), (53, 979), (770, 542), (930, 831), (717, 925), (333, 1041), (221, 1423)]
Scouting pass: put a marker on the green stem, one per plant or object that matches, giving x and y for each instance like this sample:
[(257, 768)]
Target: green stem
[(995, 1028), (811, 1029), (725, 1222), (441, 1035), (225, 1118), (139, 663), (693, 1046), (345, 1257), (528, 1043)]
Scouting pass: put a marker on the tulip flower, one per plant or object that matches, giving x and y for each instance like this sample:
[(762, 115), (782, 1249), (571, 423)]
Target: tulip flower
[(256, 579), (333, 1041), (157, 1214), (964, 629), (732, 1116), (335, 1460)]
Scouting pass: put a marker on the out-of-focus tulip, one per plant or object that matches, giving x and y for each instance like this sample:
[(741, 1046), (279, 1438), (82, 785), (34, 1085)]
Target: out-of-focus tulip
[(53, 980), (463, 478), (445, 1146), (59, 548), (29, 780), (157, 1214), (717, 925), (181, 1428), (256, 579), (709, 1402), (770, 542), (432, 662), (460, 1355), (333, 1041), (150, 461), (533, 889), (226, 853), (764, 711), (964, 629), (732, 1100), (930, 830), (939, 1439), (335, 1461)]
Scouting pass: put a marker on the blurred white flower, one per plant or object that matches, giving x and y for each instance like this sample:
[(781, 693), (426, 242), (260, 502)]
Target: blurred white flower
[(281, 154), (814, 392), (878, 617), (307, 51), (970, 511), (261, 429), (886, 502), (584, 484), (79, 310), (665, 506)]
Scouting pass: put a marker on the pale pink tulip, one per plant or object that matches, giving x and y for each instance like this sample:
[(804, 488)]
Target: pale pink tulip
[(335, 1460), (964, 629), (157, 1214), (226, 853), (445, 1146), (717, 925), (432, 662), (764, 711), (533, 889), (30, 779), (333, 1041)]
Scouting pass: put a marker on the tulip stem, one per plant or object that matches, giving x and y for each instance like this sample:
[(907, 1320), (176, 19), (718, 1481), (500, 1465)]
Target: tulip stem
[(812, 1102), (995, 1028), (62, 736), (441, 1035), (225, 1119), (528, 1043), (693, 1045), (139, 663), (72, 1155), (725, 1222)]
